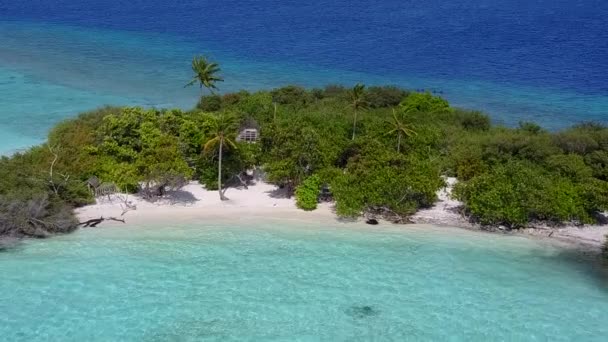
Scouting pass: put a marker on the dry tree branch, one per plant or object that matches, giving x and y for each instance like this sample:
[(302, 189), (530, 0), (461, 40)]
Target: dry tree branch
[(51, 181), (127, 205)]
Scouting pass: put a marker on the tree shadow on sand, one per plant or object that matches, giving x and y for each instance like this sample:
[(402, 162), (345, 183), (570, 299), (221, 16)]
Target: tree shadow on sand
[(179, 197), (280, 193)]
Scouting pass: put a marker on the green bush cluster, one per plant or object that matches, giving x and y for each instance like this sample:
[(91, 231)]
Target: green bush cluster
[(307, 193), (519, 192), (515, 176)]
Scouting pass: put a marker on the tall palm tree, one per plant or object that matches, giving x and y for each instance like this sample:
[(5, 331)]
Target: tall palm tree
[(222, 126), (357, 102), (401, 129), (205, 74)]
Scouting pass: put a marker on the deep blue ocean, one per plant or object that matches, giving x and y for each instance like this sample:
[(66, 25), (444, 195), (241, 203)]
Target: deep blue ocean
[(544, 61)]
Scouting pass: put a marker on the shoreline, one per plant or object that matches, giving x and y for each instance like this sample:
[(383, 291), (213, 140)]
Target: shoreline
[(446, 212), (194, 201), (265, 201)]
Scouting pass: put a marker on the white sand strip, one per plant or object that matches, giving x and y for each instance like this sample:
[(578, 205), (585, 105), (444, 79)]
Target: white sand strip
[(195, 202), (266, 201)]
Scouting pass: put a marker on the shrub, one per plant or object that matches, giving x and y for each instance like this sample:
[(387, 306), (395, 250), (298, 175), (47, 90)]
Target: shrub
[(467, 161), (209, 103), (569, 165), (516, 193), (475, 121), (383, 97), (575, 141), (530, 127), (317, 93), (234, 98), (501, 145), (492, 198), (290, 95), (382, 178), (598, 161), (594, 193), (37, 216), (424, 102), (334, 90), (307, 194)]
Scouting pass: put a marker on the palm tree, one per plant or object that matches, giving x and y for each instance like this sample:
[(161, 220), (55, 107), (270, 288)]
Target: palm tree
[(205, 73), (358, 102), (401, 129), (221, 127)]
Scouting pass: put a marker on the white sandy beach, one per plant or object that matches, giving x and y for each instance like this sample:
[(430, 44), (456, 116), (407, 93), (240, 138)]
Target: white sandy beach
[(266, 201), (261, 200)]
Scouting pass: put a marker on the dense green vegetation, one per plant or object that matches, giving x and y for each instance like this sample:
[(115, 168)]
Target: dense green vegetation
[(379, 149), (512, 177)]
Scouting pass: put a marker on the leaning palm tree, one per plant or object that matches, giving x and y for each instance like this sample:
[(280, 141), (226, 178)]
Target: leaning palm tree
[(401, 129), (221, 127), (205, 74), (357, 102)]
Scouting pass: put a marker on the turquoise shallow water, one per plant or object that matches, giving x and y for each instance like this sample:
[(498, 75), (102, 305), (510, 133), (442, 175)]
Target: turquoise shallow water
[(269, 282)]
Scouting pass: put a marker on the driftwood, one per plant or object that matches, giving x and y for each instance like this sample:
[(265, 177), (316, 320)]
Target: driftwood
[(65, 177), (94, 222), (386, 213)]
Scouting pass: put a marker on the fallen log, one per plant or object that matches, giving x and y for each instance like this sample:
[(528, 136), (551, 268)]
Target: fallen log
[(94, 222)]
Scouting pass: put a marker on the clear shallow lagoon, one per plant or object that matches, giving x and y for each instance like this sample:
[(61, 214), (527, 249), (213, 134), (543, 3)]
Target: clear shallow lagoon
[(518, 60), (270, 282)]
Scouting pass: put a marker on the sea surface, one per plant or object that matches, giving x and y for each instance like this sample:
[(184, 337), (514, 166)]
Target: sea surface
[(256, 281), (543, 61)]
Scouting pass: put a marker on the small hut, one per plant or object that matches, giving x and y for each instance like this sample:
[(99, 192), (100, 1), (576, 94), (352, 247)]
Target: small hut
[(249, 131)]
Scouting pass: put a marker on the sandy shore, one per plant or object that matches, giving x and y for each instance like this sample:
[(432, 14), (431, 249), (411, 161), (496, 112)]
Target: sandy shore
[(446, 212), (195, 202), (266, 201)]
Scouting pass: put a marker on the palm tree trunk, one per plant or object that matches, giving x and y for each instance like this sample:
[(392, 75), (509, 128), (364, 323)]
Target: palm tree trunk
[(355, 125), (219, 171), (399, 143)]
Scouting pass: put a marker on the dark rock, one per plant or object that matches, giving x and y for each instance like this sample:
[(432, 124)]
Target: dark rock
[(362, 311), (372, 221)]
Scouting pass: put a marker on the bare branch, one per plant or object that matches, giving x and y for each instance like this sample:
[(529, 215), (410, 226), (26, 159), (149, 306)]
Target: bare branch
[(51, 181)]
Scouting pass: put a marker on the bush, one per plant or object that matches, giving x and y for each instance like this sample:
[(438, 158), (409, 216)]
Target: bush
[(467, 161), (474, 121), (530, 127), (290, 95), (234, 98), (574, 141), (37, 217), (334, 90), (307, 194), (210, 103), (569, 165), (384, 97), (382, 178), (502, 145), (598, 161), (424, 102), (516, 193)]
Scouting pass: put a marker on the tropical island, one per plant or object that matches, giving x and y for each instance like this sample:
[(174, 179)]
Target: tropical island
[(374, 152)]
